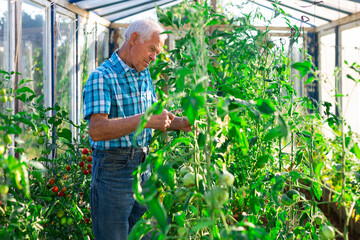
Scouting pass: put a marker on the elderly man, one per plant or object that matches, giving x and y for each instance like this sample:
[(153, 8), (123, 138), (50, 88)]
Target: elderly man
[(115, 97)]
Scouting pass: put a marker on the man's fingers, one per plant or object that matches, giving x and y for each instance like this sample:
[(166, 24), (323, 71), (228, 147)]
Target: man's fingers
[(171, 116)]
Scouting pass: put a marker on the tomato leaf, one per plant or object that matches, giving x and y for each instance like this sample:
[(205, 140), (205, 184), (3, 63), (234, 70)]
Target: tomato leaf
[(158, 210), (140, 229), (317, 190), (302, 67), (191, 106), (167, 175), (183, 140), (201, 224), (356, 150), (65, 133), (265, 106)]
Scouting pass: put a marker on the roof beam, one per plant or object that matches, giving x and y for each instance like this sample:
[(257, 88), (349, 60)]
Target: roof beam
[(328, 6), (104, 12), (301, 11), (352, 18), (140, 9), (82, 12), (257, 2), (105, 5), (357, 1), (223, 27)]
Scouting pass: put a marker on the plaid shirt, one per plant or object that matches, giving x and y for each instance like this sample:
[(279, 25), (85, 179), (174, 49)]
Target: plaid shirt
[(117, 90)]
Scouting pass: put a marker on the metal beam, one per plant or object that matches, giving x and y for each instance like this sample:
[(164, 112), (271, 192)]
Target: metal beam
[(357, 1), (325, 5), (75, 1), (105, 5), (352, 18), (140, 9), (295, 18), (298, 10), (129, 7)]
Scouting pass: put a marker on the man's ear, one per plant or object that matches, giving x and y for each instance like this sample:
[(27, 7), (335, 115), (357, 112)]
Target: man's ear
[(134, 38)]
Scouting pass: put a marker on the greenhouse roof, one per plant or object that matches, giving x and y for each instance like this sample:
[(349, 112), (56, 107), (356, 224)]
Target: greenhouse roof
[(114, 10), (315, 13), (319, 14)]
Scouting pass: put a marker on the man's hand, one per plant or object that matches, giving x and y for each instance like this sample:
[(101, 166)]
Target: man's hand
[(186, 125), (160, 122), (181, 123)]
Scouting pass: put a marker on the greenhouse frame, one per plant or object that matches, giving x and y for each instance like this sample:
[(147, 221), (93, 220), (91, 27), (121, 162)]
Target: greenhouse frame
[(299, 135)]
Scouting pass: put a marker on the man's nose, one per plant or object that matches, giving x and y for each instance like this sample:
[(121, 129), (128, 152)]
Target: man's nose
[(153, 56)]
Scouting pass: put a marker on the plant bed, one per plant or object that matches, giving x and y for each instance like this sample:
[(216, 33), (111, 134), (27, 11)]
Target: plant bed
[(334, 214)]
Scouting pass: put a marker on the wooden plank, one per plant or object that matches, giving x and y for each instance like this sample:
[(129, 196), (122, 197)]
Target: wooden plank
[(222, 27), (352, 18)]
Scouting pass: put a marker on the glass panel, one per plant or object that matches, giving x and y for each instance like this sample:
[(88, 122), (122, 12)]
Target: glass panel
[(33, 62), (327, 68), (351, 91), (65, 40), (86, 50), (3, 33), (33, 39), (283, 44), (102, 44)]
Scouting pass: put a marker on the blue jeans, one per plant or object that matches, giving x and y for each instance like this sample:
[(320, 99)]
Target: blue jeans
[(114, 210)]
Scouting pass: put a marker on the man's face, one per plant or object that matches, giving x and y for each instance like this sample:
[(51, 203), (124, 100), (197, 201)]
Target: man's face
[(142, 53)]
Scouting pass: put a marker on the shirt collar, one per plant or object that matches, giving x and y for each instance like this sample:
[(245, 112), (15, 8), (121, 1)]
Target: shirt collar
[(121, 65)]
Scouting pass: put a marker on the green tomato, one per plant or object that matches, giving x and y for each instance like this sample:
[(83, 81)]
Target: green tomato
[(7, 139), (35, 133), (4, 99), (63, 221), (40, 140), (60, 213), (189, 179), (2, 149), (4, 189), (226, 179), (318, 219), (217, 195), (286, 200), (181, 194), (69, 221), (185, 169), (327, 232), (3, 91)]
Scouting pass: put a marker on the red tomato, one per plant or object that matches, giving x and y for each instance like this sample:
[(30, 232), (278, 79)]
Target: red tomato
[(86, 172), (68, 168), (61, 194), (85, 151), (55, 189), (51, 181), (87, 220), (64, 189), (89, 158), (89, 166), (82, 164)]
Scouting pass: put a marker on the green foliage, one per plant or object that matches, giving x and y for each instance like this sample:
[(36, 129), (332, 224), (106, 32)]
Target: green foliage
[(236, 87), (28, 206)]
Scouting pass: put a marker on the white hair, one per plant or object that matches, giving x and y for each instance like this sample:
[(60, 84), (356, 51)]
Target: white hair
[(145, 28)]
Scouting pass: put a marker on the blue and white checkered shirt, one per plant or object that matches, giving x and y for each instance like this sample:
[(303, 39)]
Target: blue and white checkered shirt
[(117, 90)]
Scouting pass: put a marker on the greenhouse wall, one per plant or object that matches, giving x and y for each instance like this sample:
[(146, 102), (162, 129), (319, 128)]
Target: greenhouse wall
[(54, 46), (339, 50)]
